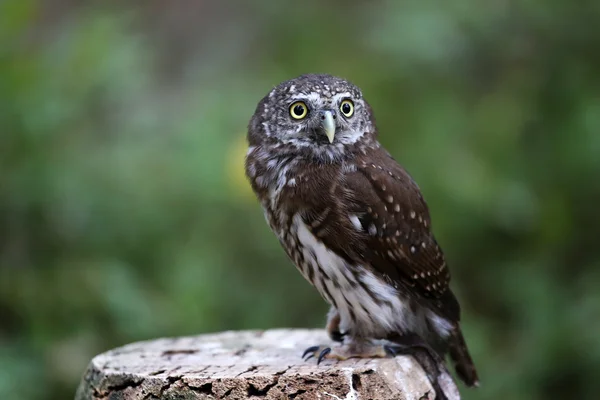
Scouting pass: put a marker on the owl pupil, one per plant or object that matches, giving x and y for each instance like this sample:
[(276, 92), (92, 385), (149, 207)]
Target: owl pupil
[(346, 108), (298, 110)]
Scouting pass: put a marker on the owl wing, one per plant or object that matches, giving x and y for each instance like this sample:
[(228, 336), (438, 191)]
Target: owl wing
[(388, 229)]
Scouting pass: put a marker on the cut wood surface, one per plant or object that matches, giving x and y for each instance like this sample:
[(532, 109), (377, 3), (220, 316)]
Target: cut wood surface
[(247, 365)]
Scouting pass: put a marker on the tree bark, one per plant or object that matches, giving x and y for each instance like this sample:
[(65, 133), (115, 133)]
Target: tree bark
[(261, 365)]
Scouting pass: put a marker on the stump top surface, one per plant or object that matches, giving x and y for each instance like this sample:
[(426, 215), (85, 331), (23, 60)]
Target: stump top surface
[(246, 365)]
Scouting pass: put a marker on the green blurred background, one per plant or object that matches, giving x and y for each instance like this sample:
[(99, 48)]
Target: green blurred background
[(125, 214)]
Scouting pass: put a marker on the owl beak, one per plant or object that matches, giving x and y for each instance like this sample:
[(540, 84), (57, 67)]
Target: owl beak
[(328, 124)]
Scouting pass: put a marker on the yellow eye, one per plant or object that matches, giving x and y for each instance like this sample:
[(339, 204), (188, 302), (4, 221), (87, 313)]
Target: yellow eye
[(347, 108), (298, 110)]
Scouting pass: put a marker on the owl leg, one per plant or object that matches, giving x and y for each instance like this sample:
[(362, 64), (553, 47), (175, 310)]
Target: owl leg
[(333, 325)]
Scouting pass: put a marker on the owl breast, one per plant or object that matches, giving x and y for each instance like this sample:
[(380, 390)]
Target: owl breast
[(367, 305)]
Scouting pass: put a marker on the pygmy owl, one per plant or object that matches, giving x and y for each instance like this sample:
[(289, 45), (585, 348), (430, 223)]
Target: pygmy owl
[(354, 223)]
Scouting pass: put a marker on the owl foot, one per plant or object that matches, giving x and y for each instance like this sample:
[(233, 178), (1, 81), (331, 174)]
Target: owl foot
[(344, 352), (430, 361)]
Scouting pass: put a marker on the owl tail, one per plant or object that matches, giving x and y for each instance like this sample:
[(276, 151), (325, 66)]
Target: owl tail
[(463, 364)]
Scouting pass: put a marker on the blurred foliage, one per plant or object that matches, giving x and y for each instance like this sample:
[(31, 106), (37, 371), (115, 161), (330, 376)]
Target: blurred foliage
[(125, 215)]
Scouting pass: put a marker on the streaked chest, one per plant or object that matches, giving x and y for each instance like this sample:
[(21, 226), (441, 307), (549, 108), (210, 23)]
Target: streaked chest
[(367, 305)]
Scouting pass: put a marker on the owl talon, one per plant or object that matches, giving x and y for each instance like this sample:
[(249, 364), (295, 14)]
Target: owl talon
[(310, 352), (323, 354), (389, 350), (393, 350), (425, 396)]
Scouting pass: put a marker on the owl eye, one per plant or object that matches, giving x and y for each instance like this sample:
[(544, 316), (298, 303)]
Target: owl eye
[(298, 110), (347, 108)]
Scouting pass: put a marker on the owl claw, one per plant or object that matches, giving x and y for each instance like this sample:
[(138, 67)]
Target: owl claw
[(425, 396), (394, 350), (310, 352), (323, 354)]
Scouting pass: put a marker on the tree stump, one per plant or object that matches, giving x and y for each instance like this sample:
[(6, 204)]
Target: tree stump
[(261, 365)]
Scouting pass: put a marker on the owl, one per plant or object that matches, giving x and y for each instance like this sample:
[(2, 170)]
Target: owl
[(355, 225)]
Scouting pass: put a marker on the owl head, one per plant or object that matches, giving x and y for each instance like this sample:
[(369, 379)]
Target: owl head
[(319, 112)]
